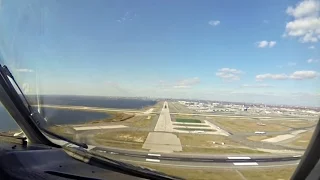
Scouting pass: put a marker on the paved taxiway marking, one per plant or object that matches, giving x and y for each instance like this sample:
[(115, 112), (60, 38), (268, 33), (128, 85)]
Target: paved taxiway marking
[(153, 160), (246, 164), (158, 155), (239, 158)]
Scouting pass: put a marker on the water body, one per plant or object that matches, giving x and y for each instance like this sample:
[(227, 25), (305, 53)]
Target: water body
[(6, 121), (97, 102), (63, 116)]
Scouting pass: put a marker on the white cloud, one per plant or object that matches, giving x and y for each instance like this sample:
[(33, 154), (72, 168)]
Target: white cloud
[(229, 74), (181, 84), (230, 70), (300, 75), (312, 60), (306, 21), (292, 64), (311, 47), (264, 44), (25, 70), (187, 83), (272, 43), (261, 77), (289, 64), (214, 22), (256, 85), (305, 8), (297, 75)]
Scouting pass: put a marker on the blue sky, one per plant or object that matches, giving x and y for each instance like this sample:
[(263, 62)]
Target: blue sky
[(256, 51)]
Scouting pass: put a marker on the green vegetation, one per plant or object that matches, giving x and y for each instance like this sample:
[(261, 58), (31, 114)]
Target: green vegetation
[(188, 120), (122, 139), (193, 125), (274, 173), (193, 129)]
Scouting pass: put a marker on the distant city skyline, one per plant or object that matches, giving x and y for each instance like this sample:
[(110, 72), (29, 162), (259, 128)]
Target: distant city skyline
[(241, 51)]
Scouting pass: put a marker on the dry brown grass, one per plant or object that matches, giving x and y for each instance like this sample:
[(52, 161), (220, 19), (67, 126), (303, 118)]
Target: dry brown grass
[(269, 173), (65, 131), (258, 138), (227, 174), (114, 117), (303, 139), (140, 121), (247, 125), (122, 139), (297, 124), (204, 140)]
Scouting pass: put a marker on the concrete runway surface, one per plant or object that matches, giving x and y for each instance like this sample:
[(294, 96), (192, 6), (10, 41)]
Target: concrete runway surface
[(162, 140)]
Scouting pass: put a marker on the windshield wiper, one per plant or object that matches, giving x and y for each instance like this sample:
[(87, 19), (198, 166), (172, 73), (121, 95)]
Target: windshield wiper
[(93, 158), (35, 115)]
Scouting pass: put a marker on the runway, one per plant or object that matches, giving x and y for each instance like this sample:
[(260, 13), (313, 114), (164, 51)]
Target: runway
[(162, 140), (199, 161), (164, 147)]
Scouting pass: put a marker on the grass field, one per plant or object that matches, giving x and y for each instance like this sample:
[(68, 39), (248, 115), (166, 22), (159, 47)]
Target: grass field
[(64, 131), (193, 125), (203, 143), (188, 120), (203, 140), (157, 107), (221, 150), (297, 124), (279, 173), (114, 117), (245, 125), (122, 139), (140, 121), (193, 129), (176, 107), (268, 173), (258, 138), (303, 139)]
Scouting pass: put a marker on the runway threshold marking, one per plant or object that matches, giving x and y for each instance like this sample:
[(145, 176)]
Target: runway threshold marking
[(246, 164), (239, 158), (158, 155), (153, 160)]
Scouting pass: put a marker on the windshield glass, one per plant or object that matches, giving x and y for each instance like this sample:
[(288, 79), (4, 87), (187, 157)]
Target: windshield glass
[(207, 87)]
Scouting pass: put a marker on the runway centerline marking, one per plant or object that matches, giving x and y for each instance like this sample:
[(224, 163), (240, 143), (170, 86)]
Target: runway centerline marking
[(153, 160), (239, 158), (158, 155), (246, 164)]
